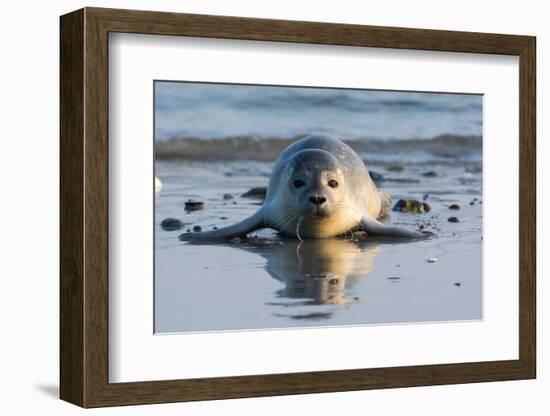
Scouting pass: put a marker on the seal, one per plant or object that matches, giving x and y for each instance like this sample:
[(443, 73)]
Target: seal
[(319, 188)]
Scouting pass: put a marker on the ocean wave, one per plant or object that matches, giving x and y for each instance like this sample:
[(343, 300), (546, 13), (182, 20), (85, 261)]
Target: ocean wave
[(267, 149)]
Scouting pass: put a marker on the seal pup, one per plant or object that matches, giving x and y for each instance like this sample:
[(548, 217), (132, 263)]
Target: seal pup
[(319, 188)]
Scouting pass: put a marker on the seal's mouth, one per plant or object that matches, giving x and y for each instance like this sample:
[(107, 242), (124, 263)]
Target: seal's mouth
[(318, 215)]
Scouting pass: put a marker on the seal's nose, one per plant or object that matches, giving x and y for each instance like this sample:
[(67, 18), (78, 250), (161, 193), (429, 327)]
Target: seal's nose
[(317, 200)]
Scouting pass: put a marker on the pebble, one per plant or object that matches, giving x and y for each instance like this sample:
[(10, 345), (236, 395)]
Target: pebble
[(171, 224), (411, 205), (197, 228), (193, 205), (256, 192), (453, 219), (432, 260), (457, 284), (454, 206), (227, 196), (223, 218), (429, 174)]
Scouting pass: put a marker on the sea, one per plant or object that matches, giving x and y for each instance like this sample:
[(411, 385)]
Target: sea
[(185, 110)]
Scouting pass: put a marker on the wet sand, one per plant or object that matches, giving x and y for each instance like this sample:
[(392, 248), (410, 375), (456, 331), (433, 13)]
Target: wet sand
[(267, 282)]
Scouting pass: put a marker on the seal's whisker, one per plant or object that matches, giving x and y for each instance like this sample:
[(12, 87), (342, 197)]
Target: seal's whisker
[(298, 255), (283, 216), (288, 218), (298, 228)]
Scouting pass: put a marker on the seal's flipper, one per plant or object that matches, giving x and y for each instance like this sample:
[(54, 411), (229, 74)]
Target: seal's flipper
[(376, 228), (252, 223)]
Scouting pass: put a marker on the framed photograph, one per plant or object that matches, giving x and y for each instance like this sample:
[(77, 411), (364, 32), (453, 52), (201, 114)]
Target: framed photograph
[(255, 207)]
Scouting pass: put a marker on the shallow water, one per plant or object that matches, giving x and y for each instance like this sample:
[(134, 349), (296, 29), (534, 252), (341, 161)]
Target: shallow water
[(268, 282)]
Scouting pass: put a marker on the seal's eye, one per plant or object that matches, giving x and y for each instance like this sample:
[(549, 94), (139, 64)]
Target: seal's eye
[(333, 183), (298, 183)]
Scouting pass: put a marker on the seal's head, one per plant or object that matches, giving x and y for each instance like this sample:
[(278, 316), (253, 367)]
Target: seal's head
[(314, 184), (314, 195)]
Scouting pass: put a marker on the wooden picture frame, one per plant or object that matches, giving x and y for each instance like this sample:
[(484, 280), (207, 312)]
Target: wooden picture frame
[(84, 207)]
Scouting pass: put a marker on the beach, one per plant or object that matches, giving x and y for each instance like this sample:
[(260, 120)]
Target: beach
[(268, 282)]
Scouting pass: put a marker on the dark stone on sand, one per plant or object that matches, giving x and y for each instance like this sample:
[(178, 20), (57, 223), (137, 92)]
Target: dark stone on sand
[(472, 202), (425, 197), (171, 224), (378, 178), (193, 205), (453, 219), (429, 174), (258, 192), (395, 168), (394, 278), (457, 284), (375, 176), (454, 206), (227, 196), (224, 218), (411, 206), (197, 228)]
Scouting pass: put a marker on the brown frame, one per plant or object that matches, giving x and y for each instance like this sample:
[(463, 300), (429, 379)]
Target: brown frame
[(84, 207)]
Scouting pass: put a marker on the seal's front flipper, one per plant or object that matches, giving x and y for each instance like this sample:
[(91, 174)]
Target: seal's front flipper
[(376, 228), (253, 223)]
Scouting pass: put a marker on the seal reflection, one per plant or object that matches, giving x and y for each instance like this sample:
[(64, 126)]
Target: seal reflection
[(316, 274)]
